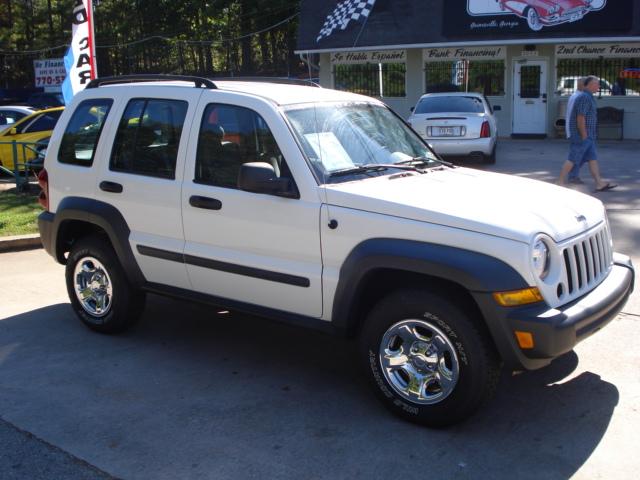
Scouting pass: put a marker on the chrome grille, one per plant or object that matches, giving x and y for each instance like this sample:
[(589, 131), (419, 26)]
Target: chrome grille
[(587, 261), (572, 11)]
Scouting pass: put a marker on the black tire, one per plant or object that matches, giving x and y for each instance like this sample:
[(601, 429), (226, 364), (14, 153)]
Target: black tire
[(478, 365), (491, 159), (125, 303), (533, 19)]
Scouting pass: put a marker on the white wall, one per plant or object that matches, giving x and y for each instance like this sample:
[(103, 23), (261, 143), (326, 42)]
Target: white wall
[(415, 88)]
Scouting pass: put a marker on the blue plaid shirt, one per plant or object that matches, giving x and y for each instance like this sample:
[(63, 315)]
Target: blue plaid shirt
[(585, 105)]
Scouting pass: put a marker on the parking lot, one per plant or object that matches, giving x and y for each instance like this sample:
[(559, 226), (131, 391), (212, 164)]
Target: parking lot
[(192, 392)]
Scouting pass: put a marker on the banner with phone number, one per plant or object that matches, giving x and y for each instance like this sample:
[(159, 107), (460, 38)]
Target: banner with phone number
[(49, 72)]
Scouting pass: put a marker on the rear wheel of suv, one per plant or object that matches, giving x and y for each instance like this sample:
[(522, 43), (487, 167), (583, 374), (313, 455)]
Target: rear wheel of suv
[(98, 288), (425, 358)]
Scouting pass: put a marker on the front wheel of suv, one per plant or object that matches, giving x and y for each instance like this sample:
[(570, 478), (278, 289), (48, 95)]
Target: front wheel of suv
[(100, 293), (426, 359)]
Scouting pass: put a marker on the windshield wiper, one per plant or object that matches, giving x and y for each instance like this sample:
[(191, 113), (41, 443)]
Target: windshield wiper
[(424, 161), (372, 167)]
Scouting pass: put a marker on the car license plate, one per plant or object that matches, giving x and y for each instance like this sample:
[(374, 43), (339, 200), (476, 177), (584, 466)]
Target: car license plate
[(447, 131)]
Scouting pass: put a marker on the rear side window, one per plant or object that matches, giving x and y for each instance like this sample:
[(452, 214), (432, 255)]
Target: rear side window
[(148, 137), (79, 141)]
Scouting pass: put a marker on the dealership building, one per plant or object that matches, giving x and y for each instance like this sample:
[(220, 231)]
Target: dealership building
[(524, 55)]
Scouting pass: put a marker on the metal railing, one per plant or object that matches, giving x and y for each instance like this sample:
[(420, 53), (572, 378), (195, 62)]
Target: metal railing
[(618, 76), (372, 79), (21, 169), (482, 76)]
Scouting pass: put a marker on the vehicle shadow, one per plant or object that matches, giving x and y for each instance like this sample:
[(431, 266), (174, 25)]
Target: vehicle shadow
[(194, 393)]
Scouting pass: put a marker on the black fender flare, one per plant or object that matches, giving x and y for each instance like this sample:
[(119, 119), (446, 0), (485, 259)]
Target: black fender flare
[(476, 272), (105, 216)]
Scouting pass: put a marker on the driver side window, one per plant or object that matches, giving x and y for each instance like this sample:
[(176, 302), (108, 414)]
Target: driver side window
[(230, 136)]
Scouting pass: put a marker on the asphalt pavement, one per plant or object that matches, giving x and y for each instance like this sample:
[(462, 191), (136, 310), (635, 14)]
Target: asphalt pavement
[(192, 392)]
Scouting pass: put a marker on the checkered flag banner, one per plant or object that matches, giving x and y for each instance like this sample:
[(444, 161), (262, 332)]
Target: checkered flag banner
[(346, 11)]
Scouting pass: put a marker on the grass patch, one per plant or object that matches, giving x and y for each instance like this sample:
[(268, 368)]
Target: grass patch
[(19, 212)]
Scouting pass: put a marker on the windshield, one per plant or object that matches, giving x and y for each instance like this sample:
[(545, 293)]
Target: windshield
[(338, 137), (450, 104)]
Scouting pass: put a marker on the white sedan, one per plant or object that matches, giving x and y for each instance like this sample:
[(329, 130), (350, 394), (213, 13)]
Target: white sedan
[(12, 113), (457, 124)]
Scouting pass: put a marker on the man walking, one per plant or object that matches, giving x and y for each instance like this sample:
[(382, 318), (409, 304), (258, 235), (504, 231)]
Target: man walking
[(582, 135), (574, 174)]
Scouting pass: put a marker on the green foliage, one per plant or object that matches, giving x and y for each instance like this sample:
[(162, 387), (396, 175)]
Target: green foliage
[(204, 37), (18, 213)]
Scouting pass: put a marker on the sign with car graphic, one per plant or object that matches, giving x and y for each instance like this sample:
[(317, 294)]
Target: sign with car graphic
[(351, 25), (531, 16), (538, 14)]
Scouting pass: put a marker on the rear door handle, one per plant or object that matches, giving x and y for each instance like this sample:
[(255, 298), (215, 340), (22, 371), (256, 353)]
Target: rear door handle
[(112, 187), (205, 202)]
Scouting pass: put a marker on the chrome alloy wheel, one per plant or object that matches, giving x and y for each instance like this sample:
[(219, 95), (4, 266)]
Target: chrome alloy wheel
[(533, 20), (419, 361), (93, 286)]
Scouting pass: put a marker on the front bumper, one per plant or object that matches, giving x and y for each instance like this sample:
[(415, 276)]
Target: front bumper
[(557, 19), (461, 146), (557, 330)]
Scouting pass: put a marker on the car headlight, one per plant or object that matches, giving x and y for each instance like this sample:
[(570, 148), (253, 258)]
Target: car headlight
[(540, 258), (554, 9)]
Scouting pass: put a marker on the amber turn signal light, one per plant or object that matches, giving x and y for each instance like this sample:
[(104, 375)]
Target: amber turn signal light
[(518, 297), (525, 340)]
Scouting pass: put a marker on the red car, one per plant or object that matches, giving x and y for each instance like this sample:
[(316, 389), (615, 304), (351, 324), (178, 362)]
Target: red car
[(540, 13)]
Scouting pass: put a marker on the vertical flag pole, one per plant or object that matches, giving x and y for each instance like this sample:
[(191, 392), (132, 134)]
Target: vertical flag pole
[(92, 40)]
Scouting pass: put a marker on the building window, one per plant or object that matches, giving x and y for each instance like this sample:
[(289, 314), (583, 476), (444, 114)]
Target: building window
[(372, 79), (482, 76), (618, 76)]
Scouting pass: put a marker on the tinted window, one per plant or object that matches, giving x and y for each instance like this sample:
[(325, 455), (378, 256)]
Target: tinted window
[(229, 137), (8, 117), (83, 132), (450, 104), (148, 137), (44, 122)]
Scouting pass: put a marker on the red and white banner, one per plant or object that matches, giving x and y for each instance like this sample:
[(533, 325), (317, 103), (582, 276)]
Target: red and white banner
[(80, 60)]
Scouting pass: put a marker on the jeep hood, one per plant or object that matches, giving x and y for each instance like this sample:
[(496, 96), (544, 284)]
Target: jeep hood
[(491, 203)]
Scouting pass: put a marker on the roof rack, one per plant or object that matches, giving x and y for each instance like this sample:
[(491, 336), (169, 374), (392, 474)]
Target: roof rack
[(286, 81), (198, 81)]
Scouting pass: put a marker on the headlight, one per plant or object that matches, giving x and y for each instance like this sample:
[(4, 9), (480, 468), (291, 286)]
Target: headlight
[(540, 258), (554, 9)]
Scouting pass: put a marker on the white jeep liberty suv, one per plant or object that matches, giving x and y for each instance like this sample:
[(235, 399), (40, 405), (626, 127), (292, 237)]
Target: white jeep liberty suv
[(323, 208)]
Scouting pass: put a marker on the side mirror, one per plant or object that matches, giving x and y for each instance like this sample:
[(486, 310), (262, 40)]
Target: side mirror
[(13, 131), (260, 177), (412, 109), (497, 108)]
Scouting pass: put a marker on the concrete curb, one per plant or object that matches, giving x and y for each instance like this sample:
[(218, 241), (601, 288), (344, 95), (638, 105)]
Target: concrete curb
[(20, 242)]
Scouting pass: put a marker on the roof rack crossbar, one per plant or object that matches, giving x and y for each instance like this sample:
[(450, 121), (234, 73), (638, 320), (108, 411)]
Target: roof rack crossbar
[(286, 81), (198, 81)]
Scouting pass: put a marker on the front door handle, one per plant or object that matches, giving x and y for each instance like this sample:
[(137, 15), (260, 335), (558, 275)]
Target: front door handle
[(205, 202), (112, 187)]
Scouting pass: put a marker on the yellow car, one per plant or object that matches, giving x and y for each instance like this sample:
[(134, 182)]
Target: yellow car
[(30, 129)]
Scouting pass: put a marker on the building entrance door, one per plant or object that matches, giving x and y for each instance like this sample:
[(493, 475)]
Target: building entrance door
[(530, 97)]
